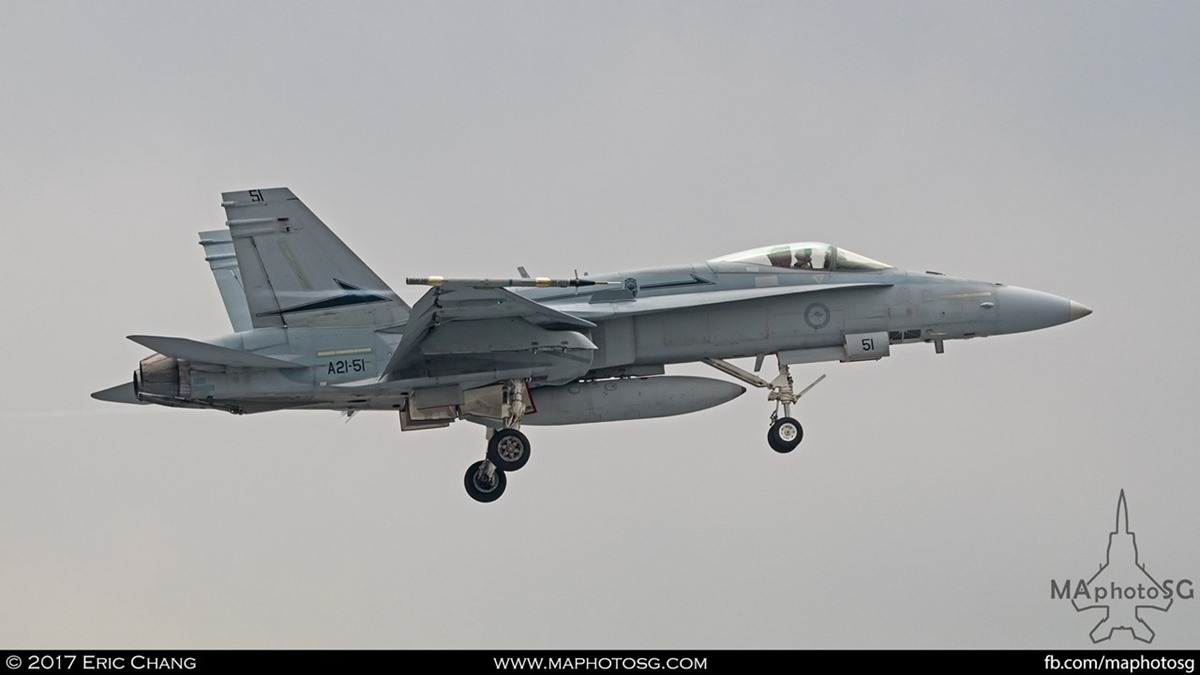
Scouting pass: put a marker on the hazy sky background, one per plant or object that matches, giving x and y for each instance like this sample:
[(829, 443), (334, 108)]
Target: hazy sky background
[(1048, 145)]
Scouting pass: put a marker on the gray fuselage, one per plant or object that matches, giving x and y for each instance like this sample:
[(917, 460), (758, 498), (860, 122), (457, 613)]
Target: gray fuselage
[(813, 324)]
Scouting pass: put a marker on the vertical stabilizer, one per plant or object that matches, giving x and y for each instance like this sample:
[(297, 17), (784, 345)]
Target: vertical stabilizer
[(218, 252), (295, 270)]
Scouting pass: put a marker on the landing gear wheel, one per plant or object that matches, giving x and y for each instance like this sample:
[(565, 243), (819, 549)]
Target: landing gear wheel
[(508, 449), (785, 434), (480, 487)]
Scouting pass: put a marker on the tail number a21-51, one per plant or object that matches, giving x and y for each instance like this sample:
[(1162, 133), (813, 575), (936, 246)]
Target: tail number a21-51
[(347, 366)]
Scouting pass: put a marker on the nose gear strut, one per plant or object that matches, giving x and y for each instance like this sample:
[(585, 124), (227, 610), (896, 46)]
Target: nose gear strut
[(785, 432)]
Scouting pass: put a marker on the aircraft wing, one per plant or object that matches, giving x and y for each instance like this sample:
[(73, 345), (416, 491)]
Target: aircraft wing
[(662, 303), (463, 302)]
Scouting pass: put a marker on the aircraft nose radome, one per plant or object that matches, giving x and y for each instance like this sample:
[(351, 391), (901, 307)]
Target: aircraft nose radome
[(1079, 310), (1024, 309)]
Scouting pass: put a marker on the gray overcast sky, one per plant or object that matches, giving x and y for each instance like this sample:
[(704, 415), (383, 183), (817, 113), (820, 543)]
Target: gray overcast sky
[(1048, 145)]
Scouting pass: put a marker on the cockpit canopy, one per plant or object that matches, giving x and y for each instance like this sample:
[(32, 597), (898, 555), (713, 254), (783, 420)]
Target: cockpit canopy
[(805, 255)]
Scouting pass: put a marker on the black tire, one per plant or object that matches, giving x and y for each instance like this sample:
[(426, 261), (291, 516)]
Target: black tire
[(479, 488), (785, 434), (508, 449)]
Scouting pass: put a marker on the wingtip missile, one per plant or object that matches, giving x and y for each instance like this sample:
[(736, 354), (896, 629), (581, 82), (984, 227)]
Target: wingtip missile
[(534, 282)]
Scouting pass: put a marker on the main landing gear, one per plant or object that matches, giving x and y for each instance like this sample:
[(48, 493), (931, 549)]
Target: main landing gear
[(507, 448), (785, 432), (484, 482)]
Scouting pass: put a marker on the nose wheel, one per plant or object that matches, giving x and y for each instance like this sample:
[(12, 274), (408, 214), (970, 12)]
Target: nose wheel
[(784, 435)]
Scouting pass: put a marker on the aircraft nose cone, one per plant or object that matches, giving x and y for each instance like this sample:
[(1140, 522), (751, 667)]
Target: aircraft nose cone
[(1024, 309)]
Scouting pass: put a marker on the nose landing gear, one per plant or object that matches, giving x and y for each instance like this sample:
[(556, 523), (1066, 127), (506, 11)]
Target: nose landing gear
[(784, 435), (785, 432)]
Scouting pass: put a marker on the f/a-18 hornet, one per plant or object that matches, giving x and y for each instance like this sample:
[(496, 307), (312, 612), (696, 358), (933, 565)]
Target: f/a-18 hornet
[(316, 329)]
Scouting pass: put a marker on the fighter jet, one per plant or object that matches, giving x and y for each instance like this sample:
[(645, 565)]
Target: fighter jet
[(316, 329)]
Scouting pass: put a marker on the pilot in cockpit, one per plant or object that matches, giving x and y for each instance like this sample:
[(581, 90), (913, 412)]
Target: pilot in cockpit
[(804, 259)]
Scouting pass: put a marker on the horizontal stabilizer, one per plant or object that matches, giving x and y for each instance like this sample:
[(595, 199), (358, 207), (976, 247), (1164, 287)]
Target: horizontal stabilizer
[(202, 352), (122, 393)]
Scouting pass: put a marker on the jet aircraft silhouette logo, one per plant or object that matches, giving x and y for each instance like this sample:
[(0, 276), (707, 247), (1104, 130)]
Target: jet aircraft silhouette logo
[(1121, 587)]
